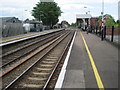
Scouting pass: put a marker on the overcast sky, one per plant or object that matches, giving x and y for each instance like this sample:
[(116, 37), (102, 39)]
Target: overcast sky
[(22, 8)]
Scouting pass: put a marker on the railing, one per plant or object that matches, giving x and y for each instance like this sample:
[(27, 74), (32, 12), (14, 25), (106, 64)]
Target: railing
[(106, 33)]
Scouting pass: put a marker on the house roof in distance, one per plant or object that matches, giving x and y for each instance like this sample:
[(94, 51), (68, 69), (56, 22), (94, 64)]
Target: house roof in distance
[(7, 19)]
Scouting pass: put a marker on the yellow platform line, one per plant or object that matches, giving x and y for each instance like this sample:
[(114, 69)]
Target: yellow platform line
[(18, 37), (97, 76)]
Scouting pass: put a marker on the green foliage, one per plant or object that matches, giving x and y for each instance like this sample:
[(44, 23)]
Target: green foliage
[(99, 18), (48, 12), (109, 22), (65, 22), (73, 25), (117, 23)]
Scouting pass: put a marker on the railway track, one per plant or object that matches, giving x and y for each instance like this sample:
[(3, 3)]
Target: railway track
[(10, 63), (12, 47), (47, 56), (26, 48)]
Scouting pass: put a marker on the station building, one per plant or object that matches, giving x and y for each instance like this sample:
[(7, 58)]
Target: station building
[(83, 20)]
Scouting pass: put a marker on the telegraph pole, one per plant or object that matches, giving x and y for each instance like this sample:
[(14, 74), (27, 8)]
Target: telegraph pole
[(102, 13)]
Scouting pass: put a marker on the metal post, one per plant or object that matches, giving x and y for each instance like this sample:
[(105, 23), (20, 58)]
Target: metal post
[(104, 31), (112, 34), (102, 28), (96, 29)]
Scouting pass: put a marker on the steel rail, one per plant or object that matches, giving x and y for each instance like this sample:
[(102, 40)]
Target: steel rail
[(18, 78), (30, 57), (25, 53), (13, 51), (51, 75)]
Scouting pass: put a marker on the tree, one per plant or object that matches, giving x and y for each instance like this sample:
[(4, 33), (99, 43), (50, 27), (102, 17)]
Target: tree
[(47, 12), (65, 22), (118, 23), (73, 24), (108, 20)]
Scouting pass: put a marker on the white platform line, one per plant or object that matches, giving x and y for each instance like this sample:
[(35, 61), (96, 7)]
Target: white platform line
[(63, 70), (14, 41)]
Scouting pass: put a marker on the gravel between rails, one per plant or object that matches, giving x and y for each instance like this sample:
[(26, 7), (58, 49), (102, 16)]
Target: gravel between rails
[(16, 72), (24, 51), (22, 59), (10, 47), (37, 76)]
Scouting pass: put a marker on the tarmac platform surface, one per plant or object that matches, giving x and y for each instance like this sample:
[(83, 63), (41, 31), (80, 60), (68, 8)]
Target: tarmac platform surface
[(80, 72)]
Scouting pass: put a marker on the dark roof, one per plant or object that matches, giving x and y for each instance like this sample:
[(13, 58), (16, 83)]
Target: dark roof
[(31, 21), (6, 19)]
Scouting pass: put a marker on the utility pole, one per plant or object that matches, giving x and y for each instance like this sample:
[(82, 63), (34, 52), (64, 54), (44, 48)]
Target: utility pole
[(85, 9), (102, 13)]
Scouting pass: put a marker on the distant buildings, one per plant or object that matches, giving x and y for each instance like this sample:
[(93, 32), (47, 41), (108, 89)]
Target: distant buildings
[(93, 21), (83, 20), (32, 25), (119, 10), (10, 20)]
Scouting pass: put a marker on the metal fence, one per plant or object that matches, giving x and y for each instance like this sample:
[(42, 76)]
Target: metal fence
[(109, 33), (11, 29)]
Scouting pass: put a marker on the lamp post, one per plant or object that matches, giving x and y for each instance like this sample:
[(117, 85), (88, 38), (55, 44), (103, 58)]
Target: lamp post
[(40, 18), (102, 13), (41, 14), (88, 12), (27, 12), (85, 10)]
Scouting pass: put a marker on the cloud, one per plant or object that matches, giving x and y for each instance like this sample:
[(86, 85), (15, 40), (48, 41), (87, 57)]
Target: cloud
[(18, 3), (73, 7), (17, 8), (69, 7), (84, 1)]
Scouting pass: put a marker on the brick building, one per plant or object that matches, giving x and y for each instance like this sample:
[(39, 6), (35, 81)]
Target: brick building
[(93, 21)]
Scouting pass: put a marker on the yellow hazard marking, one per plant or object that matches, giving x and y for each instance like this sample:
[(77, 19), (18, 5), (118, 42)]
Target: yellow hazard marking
[(97, 76), (18, 37)]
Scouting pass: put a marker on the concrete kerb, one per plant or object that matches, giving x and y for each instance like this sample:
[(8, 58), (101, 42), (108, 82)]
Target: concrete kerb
[(60, 80)]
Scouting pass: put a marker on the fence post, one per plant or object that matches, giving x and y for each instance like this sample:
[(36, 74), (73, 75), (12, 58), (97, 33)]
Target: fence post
[(96, 29), (105, 32), (112, 34), (102, 33)]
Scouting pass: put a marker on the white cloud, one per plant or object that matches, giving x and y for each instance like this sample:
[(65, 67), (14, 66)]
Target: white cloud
[(73, 7), (18, 3), (69, 7), (84, 1), (17, 8)]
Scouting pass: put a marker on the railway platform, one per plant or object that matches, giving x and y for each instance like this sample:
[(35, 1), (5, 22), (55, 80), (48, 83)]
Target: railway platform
[(17, 38), (91, 63)]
